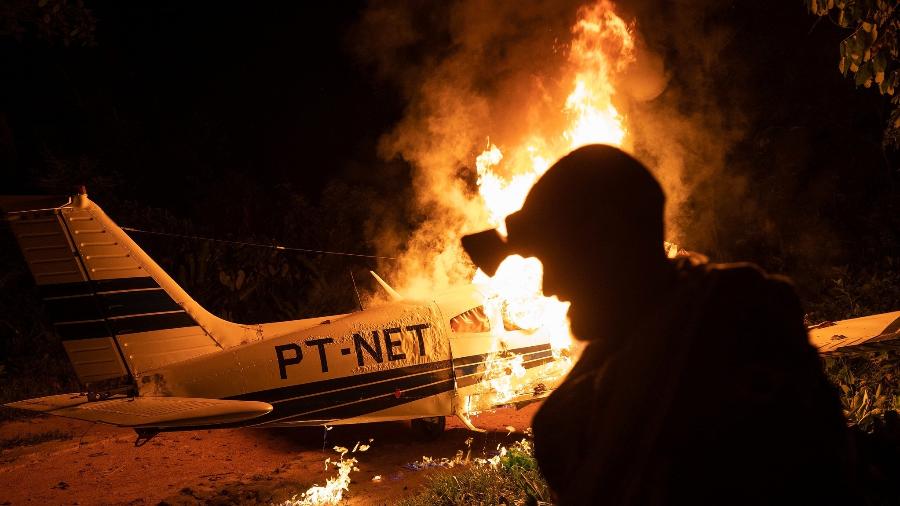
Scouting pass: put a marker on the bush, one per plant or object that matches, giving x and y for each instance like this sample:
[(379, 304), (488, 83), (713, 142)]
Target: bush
[(512, 478)]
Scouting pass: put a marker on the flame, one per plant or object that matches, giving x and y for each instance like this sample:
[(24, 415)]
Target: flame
[(333, 490), (602, 45)]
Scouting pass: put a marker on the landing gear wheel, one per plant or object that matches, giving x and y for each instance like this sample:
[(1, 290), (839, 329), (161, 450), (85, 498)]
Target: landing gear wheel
[(429, 429)]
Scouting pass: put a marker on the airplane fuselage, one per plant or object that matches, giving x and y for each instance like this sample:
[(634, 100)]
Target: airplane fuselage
[(149, 356), (393, 361)]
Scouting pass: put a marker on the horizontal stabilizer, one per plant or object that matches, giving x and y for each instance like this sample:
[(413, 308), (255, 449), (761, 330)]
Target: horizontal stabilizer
[(158, 412), (877, 332)]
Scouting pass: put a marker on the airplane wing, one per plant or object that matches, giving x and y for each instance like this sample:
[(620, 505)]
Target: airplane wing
[(156, 412), (877, 332)]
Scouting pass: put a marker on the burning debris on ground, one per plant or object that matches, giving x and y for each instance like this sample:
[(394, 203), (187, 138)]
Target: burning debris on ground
[(333, 490)]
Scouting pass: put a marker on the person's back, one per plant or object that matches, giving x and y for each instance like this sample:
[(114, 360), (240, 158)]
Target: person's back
[(698, 385), (718, 398)]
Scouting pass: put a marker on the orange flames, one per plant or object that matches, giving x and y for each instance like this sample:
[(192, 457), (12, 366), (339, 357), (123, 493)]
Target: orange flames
[(602, 46), (333, 490)]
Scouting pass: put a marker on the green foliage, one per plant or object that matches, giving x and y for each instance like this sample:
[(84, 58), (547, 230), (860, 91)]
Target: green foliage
[(852, 291), (870, 53), (513, 479), (252, 284), (869, 385)]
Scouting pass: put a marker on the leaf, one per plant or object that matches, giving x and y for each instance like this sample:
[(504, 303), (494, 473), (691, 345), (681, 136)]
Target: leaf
[(879, 63), (864, 75), (894, 80)]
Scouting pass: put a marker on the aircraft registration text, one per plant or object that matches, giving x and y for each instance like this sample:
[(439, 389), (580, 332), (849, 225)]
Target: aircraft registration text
[(383, 345)]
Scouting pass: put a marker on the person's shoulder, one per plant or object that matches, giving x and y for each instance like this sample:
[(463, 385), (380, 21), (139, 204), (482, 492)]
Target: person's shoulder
[(739, 282), (752, 289), (747, 274)]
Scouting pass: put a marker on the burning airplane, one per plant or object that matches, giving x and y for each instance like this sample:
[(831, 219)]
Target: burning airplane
[(151, 358)]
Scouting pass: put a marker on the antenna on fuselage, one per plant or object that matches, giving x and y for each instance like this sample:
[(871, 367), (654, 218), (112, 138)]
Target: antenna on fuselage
[(387, 288), (356, 290)]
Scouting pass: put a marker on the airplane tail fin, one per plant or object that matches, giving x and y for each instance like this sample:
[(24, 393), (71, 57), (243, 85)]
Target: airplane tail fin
[(117, 312)]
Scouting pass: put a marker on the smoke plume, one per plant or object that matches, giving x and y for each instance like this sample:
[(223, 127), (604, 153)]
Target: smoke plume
[(474, 70)]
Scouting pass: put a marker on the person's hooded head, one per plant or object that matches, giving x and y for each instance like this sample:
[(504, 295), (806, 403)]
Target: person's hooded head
[(595, 220)]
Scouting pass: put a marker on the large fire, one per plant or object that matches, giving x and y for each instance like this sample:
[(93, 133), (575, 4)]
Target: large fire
[(602, 45)]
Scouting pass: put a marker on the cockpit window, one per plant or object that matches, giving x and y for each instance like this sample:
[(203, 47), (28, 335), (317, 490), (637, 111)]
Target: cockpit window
[(473, 320), (514, 321)]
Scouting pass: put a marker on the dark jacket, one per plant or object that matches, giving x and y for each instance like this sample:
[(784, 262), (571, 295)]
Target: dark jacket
[(716, 399)]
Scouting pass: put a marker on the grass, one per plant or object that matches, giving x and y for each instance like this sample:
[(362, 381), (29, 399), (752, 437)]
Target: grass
[(512, 478), (869, 385)]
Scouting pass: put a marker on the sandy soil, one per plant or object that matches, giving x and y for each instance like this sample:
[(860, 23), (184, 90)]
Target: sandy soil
[(100, 465)]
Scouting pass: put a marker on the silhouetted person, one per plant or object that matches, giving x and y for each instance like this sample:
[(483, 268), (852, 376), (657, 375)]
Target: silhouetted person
[(698, 384)]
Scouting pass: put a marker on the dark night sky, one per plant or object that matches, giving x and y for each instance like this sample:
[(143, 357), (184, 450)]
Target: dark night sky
[(177, 96), (190, 91), (218, 119)]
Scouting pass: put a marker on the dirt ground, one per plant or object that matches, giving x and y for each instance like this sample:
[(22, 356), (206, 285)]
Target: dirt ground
[(99, 464)]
